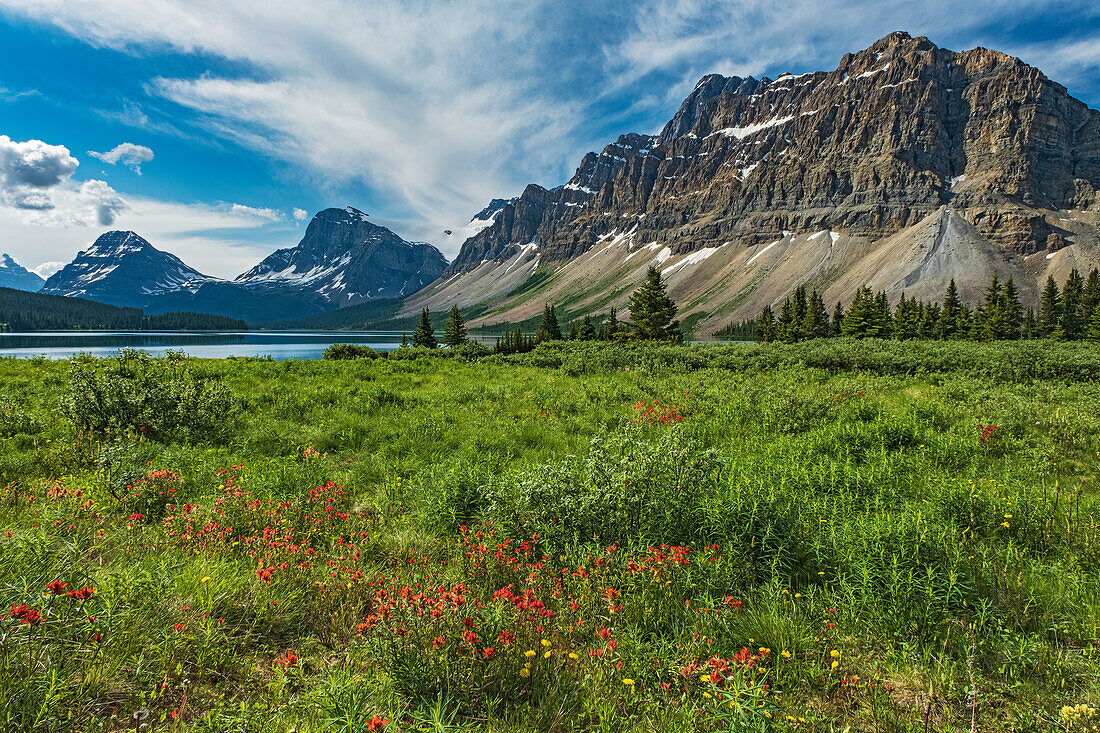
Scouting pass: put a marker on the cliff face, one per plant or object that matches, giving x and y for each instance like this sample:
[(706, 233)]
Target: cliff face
[(869, 150), (896, 131)]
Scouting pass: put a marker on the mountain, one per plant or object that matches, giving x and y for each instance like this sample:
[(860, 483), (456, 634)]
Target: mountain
[(122, 268), (15, 276), (346, 259), (904, 167)]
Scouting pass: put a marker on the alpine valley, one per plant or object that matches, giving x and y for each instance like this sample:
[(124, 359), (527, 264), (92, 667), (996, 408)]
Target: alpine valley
[(905, 167)]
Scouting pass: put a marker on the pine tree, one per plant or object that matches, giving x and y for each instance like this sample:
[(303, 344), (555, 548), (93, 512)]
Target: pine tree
[(799, 307), (1050, 309), (1031, 327), (548, 329), (765, 326), (815, 323), (929, 321), (784, 326), (586, 331), (424, 335), (884, 319), (653, 312), (404, 339), (610, 327), (990, 316), (1012, 310), (838, 318), (454, 332), (906, 319), (949, 314), (1070, 326), (1090, 299), (862, 318), (1093, 334)]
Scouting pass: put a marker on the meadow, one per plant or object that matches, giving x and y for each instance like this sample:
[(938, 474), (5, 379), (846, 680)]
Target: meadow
[(825, 536)]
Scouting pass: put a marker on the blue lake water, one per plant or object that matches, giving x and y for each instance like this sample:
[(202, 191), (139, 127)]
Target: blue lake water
[(279, 345)]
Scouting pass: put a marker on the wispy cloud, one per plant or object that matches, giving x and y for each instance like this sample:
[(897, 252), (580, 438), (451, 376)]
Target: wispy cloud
[(438, 106)]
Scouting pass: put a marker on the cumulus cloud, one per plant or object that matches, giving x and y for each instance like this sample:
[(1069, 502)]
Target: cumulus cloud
[(47, 268), (300, 214), (129, 154), (29, 169)]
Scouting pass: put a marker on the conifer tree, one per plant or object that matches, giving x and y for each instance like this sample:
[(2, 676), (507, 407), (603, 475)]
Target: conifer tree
[(765, 326), (929, 321), (884, 319), (838, 318), (1011, 310), (1090, 298), (1030, 328), (653, 312), (990, 316), (454, 331), (1070, 327), (815, 323), (906, 319), (862, 318), (949, 314), (1050, 309), (548, 329), (610, 327), (784, 325), (586, 331), (424, 335), (1093, 333)]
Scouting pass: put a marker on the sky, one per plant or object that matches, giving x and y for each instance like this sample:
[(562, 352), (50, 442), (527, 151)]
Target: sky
[(217, 128)]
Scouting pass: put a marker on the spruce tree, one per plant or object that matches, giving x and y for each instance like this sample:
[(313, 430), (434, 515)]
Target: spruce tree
[(1070, 326), (652, 311), (1050, 309), (586, 331), (1030, 328), (949, 314), (862, 318), (1012, 310), (454, 332), (785, 326), (424, 335), (548, 329), (990, 315), (838, 318), (1090, 299), (1093, 333), (815, 323), (765, 326), (610, 327)]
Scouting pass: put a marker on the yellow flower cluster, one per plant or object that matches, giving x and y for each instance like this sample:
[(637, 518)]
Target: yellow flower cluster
[(1080, 719)]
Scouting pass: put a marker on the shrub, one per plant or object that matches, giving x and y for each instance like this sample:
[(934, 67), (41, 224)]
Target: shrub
[(136, 395), (349, 351)]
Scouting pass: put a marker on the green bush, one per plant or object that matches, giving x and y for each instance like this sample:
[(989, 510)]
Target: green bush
[(136, 395), (349, 351)]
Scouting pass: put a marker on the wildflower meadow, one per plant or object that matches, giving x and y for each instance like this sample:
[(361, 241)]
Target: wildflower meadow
[(840, 536)]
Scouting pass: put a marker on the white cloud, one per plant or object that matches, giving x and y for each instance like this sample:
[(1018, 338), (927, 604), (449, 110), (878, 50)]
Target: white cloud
[(129, 154), (256, 213), (300, 214), (441, 105), (48, 268), (30, 169)]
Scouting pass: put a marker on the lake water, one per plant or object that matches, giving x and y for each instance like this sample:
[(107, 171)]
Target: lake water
[(278, 345)]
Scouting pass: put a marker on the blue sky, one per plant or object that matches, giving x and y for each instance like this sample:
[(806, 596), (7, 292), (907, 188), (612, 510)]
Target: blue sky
[(236, 114)]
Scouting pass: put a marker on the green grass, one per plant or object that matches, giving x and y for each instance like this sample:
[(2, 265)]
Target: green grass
[(329, 558)]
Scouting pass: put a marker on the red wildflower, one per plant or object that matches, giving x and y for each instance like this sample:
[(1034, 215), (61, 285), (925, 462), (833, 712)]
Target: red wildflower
[(56, 588), (288, 660), (377, 723)]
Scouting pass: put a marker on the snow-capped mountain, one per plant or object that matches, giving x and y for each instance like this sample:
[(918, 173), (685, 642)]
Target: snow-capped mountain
[(346, 259), (14, 275), (122, 268)]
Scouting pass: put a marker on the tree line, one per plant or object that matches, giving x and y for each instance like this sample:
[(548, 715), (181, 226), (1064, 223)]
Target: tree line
[(23, 311), (1069, 313), (653, 312)]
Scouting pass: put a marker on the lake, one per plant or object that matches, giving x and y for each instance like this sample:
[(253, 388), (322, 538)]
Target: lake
[(279, 345)]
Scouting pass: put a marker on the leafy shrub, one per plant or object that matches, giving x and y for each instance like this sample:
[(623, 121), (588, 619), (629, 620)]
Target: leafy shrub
[(157, 399), (625, 488), (349, 351), (14, 420)]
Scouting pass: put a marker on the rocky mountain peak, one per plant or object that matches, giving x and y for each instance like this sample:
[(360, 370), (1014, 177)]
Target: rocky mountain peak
[(13, 275)]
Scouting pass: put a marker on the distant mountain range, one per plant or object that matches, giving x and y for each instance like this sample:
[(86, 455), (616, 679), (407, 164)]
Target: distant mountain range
[(15, 276), (905, 167), (343, 259)]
